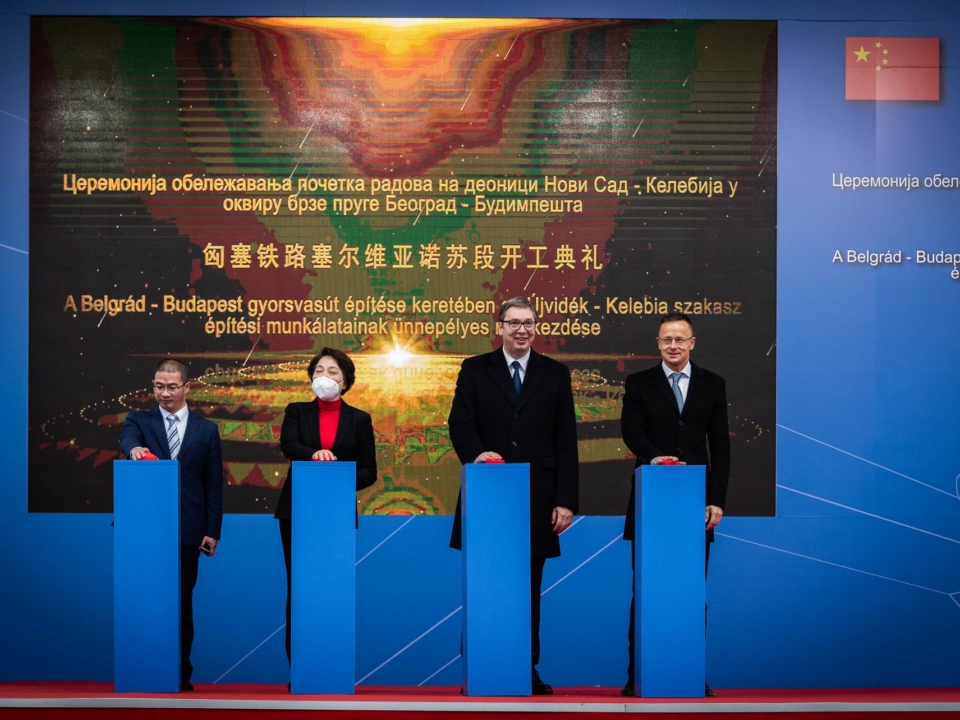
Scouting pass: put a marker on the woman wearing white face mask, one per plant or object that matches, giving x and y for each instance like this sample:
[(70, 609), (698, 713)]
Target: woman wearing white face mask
[(325, 428)]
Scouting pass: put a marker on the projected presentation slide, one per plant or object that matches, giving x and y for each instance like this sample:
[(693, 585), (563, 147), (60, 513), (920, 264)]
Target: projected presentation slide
[(240, 193)]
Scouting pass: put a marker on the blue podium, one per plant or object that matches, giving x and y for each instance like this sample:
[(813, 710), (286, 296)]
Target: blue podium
[(496, 579), (670, 585), (146, 576), (323, 578)]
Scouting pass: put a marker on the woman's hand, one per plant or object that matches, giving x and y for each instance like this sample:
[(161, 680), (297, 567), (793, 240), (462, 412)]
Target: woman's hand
[(324, 455), (488, 455)]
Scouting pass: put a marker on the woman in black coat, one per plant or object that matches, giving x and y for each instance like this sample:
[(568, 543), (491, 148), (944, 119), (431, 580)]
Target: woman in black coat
[(325, 428)]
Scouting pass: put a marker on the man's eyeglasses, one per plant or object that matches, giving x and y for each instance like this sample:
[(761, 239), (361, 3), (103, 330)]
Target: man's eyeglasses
[(515, 324), (678, 341), (157, 387)]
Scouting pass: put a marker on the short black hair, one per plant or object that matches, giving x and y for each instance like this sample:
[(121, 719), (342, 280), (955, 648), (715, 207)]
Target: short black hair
[(516, 302), (677, 317), (171, 365), (343, 361)]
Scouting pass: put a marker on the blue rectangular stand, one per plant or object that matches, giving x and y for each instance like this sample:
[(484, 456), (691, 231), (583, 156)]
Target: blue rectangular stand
[(496, 579), (670, 585), (323, 578), (146, 576)]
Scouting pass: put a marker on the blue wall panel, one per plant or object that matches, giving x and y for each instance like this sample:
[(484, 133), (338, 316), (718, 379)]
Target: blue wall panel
[(854, 584)]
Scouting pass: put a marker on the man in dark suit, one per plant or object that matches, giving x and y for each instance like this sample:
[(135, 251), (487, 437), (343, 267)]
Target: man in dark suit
[(172, 432), (677, 411), (516, 405)]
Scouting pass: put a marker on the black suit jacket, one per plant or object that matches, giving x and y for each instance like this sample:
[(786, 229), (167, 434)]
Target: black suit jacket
[(539, 428), (201, 468), (300, 439), (653, 425)]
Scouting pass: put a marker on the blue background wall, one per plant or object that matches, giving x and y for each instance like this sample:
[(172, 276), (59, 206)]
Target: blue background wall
[(855, 583)]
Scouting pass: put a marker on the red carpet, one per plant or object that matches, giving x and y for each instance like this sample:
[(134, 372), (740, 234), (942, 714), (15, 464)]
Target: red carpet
[(97, 700)]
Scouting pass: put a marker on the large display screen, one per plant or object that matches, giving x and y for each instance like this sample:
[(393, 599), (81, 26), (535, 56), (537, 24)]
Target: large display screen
[(240, 193)]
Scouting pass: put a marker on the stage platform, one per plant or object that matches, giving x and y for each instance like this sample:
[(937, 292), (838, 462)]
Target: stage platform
[(96, 700)]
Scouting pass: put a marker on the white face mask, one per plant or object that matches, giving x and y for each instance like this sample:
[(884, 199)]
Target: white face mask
[(325, 388)]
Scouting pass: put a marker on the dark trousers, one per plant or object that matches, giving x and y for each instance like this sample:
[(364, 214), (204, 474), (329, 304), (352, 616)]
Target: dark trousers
[(633, 602), (189, 565), (536, 581), (285, 540)]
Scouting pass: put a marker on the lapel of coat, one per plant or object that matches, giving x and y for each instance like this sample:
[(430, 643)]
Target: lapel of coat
[(662, 384), (193, 426), (312, 416), (694, 388), (159, 429), (343, 428), (536, 370), (500, 374)]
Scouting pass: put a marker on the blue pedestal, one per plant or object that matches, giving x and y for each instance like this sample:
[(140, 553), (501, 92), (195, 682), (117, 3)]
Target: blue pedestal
[(146, 576), (670, 586), (323, 578), (496, 579)]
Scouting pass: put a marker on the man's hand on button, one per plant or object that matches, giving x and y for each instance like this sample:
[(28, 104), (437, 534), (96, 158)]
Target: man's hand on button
[(488, 455)]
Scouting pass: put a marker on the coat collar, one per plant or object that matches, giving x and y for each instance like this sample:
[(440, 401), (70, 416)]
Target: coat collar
[(343, 426), (693, 389), (159, 427), (156, 424), (193, 426), (500, 372), (695, 386)]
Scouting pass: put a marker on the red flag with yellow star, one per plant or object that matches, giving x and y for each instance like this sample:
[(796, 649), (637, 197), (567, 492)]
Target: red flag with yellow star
[(893, 68)]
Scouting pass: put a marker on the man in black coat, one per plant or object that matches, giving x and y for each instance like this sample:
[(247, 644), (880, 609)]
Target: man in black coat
[(172, 432), (677, 411), (517, 405)]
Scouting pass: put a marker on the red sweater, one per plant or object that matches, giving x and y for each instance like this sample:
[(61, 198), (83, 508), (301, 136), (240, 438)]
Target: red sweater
[(329, 420)]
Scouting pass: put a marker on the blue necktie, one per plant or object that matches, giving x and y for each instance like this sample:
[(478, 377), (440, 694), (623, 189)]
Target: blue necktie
[(516, 376), (675, 379), (173, 437)]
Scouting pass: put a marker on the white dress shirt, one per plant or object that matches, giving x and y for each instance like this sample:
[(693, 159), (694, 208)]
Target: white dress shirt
[(523, 364)]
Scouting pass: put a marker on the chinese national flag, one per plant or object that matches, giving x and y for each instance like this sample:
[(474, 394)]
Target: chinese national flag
[(880, 68)]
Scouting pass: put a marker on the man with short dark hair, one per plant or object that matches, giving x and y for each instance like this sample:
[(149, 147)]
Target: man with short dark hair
[(516, 405), (676, 411), (172, 432)]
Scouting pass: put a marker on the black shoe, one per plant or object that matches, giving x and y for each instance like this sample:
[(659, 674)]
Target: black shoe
[(539, 686), (628, 689), (186, 686), (708, 691)]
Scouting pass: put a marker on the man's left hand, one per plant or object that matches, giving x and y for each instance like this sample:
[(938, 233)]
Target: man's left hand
[(208, 546), (713, 516), (561, 519)]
